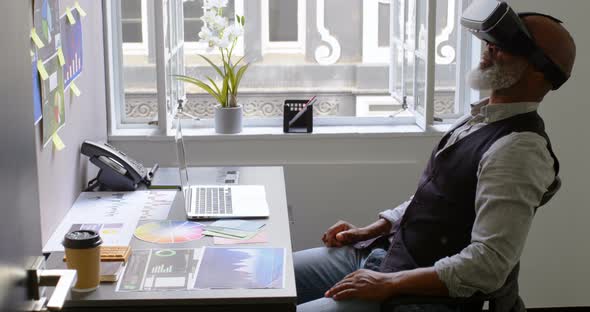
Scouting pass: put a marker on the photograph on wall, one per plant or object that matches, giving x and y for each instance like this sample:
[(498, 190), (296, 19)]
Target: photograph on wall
[(36, 91), (47, 26), (71, 44), (52, 97)]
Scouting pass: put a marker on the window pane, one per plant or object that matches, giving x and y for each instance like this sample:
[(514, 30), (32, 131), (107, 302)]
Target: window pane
[(421, 25), (131, 20), (383, 25), (420, 98), (445, 53), (139, 72), (282, 20), (410, 27), (396, 75), (409, 74), (193, 10), (398, 20), (132, 32)]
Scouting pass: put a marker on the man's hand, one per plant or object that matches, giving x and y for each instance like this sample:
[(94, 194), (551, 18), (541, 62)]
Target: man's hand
[(343, 233), (365, 285)]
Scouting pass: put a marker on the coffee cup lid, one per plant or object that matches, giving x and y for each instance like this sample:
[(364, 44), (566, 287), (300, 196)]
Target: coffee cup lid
[(82, 239)]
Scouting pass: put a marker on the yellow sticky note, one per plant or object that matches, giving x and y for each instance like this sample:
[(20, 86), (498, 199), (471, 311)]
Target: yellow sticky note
[(42, 71), (60, 57), (70, 16), (75, 89), (36, 39), (57, 142), (79, 8)]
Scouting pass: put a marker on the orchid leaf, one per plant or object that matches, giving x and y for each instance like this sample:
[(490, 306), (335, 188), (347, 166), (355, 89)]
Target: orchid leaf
[(214, 85), (240, 74), (238, 62), (224, 91), (232, 78), (217, 69), (200, 84)]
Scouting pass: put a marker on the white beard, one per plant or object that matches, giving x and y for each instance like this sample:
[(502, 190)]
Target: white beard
[(496, 77)]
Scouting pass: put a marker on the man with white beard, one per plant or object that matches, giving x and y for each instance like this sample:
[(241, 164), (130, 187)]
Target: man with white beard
[(463, 231)]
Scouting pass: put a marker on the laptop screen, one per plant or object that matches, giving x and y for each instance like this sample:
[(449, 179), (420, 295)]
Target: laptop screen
[(180, 154)]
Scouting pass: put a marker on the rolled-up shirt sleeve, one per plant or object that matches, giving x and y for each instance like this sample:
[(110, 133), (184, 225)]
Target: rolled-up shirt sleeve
[(513, 175), (394, 214)]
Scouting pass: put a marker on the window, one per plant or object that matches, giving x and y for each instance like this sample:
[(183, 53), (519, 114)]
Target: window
[(283, 31), (365, 60)]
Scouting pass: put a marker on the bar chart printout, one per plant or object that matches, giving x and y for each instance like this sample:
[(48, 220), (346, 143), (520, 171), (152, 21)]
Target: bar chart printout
[(160, 270)]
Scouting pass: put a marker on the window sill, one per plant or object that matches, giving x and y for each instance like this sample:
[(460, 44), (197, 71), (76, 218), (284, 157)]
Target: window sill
[(272, 133)]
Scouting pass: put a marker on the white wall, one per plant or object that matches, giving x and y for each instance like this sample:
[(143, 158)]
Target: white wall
[(354, 178), (62, 174), (555, 262)]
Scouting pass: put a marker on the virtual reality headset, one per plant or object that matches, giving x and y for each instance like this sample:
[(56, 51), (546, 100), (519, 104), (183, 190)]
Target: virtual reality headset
[(496, 23)]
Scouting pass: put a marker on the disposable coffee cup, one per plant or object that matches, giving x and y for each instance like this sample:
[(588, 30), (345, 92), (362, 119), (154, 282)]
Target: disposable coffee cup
[(83, 255)]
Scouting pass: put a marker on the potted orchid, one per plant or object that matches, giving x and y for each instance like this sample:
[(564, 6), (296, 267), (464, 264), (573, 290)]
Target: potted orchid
[(220, 34)]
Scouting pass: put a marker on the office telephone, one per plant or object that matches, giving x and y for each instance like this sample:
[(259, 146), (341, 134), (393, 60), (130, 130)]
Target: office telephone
[(118, 172)]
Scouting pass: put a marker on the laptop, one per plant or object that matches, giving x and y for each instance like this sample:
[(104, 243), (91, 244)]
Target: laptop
[(218, 201)]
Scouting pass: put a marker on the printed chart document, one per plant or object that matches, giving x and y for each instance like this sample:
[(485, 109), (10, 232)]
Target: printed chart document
[(156, 204), (241, 267), (113, 214), (160, 270)]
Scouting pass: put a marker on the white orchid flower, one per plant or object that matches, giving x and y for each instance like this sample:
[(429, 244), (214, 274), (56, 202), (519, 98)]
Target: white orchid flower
[(205, 34), (209, 16), (234, 31)]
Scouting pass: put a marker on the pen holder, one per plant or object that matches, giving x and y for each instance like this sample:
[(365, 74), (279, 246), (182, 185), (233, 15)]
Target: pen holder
[(304, 123)]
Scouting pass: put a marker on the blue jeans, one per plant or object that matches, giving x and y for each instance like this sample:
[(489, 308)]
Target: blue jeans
[(318, 269)]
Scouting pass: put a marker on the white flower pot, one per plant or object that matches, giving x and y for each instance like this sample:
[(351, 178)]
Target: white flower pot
[(228, 120)]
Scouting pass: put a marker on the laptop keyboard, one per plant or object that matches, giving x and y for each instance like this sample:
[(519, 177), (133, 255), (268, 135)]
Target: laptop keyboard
[(211, 200)]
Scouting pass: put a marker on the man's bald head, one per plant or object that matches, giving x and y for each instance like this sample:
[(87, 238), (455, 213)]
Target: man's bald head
[(555, 41)]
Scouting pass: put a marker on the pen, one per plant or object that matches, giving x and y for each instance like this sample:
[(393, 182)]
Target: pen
[(308, 104)]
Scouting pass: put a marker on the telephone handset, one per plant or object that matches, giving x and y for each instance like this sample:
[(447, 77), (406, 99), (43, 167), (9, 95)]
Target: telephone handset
[(118, 172)]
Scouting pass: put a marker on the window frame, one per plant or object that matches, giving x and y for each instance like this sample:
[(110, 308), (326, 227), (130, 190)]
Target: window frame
[(116, 98)]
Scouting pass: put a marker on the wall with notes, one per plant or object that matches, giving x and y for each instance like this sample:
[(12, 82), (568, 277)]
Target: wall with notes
[(63, 174)]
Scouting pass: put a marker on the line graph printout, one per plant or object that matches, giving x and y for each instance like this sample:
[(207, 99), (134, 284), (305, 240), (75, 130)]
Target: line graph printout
[(101, 210), (241, 268)]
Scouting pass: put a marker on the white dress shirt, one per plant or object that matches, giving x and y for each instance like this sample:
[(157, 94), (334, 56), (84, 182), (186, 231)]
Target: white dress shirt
[(512, 176)]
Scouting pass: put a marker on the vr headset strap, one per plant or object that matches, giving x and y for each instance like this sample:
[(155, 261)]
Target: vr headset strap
[(551, 71)]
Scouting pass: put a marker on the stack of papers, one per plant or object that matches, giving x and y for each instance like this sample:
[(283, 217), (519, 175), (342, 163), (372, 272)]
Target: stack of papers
[(237, 231), (114, 215)]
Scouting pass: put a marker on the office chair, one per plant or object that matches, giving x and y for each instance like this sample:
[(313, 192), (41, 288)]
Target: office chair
[(505, 299)]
